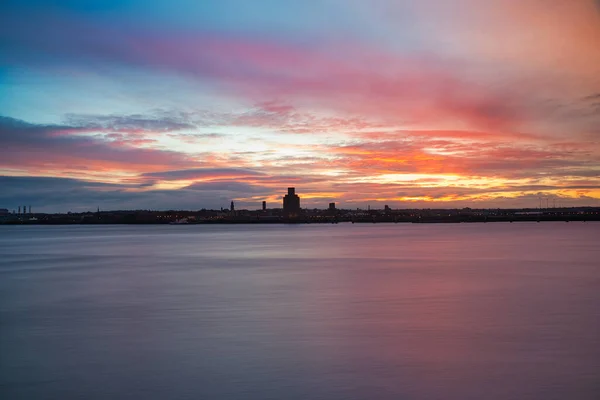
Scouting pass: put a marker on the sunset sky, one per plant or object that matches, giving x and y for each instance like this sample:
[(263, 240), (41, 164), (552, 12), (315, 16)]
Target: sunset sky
[(189, 104)]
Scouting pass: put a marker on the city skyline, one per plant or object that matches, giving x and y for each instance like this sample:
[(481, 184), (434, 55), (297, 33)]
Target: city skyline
[(183, 104), (289, 205)]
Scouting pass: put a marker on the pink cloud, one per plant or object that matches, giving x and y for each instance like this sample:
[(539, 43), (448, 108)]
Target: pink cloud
[(394, 113)]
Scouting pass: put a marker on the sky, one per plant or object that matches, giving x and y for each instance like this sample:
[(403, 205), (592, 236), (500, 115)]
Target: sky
[(187, 104)]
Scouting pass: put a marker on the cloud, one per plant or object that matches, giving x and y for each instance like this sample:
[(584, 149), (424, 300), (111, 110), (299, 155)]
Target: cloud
[(46, 194), (129, 123), (52, 194), (62, 194), (39, 146), (428, 154), (486, 118), (242, 189), (196, 138), (419, 89), (203, 173), (469, 166)]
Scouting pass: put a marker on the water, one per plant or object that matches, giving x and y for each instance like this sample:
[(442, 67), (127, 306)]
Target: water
[(379, 311)]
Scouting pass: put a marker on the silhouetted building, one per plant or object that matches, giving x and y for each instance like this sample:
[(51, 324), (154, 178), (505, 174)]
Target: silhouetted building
[(331, 206), (291, 203), (387, 208), (4, 211), (232, 208), (19, 212), (264, 206), (24, 210)]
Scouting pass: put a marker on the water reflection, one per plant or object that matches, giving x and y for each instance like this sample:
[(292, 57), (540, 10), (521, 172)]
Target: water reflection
[(491, 311)]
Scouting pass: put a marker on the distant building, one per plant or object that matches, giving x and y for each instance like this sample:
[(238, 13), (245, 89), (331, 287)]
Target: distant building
[(232, 208), (4, 211), (264, 206), (331, 206), (291, 203), (387, 208)]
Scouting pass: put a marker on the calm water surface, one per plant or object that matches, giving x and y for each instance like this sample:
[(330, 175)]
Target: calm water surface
[(381, 311)]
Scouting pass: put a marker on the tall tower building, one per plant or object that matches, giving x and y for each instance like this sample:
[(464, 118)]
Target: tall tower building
[(264, 206), (291, 203), (232, 207)]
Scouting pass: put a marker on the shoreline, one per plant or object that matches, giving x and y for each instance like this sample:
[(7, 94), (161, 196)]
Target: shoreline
[(293, 222)]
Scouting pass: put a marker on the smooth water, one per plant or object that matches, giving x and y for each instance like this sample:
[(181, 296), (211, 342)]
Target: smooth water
[(378, 311)]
